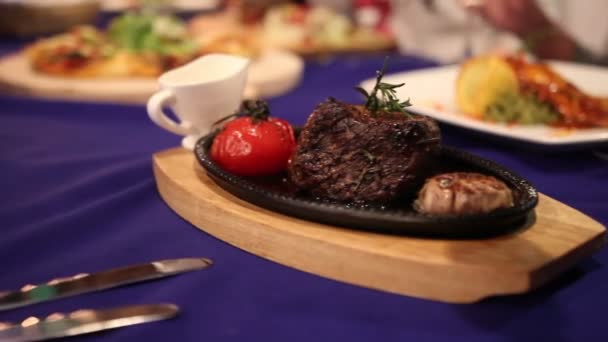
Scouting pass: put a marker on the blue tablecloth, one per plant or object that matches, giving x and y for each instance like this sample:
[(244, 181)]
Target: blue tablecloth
[(78, 195)]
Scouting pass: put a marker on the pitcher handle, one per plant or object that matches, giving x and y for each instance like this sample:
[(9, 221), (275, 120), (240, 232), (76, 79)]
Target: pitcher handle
[(156, 103)]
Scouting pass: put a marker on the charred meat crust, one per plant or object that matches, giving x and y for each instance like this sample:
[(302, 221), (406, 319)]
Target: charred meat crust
[(346, 154)]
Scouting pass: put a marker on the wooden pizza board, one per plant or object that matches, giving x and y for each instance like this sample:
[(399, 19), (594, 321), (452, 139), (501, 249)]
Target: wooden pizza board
[(271, 74), (456, 271)]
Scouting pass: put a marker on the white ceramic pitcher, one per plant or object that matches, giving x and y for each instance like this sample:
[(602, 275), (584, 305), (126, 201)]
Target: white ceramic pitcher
[(199, 93)]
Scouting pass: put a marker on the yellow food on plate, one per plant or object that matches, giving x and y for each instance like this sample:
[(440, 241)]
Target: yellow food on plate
[(518, 90), (481, 81)]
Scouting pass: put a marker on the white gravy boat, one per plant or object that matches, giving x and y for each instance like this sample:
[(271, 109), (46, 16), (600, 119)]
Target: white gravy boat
[(199, 94)]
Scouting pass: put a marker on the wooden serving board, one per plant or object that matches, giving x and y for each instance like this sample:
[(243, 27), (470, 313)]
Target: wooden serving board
[(456, 271), (264, 80)]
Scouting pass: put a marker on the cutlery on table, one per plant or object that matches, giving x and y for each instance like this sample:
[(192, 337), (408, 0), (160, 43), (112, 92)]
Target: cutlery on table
[(84, 283), (84, 322)]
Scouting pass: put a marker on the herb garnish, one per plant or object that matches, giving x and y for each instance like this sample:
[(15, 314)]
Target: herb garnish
[(388, 101)]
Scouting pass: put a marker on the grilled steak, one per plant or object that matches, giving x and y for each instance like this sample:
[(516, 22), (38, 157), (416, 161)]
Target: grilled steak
[(461, 193), (346, 154)]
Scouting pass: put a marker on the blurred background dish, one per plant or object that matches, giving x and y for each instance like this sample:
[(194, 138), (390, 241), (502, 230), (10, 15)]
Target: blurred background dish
[(118, 5), (175, 5), (195, 5), (223, 32), (306, 30), (318, 29), (265, 80), (120, 63), (28, 18), (515, 89)]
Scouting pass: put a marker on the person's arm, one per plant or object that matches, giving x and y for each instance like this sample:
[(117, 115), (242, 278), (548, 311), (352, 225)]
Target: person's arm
[(526, 20)]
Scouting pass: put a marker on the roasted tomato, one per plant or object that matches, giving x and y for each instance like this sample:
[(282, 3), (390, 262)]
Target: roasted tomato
[(255, 144)]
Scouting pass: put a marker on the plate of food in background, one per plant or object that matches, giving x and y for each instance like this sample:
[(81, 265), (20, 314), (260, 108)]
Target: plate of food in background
[(306, 30), (121, 63), (546, 103), (173, 5)]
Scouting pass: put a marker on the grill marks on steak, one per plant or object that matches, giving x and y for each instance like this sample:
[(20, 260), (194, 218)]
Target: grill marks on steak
[(346, 154)]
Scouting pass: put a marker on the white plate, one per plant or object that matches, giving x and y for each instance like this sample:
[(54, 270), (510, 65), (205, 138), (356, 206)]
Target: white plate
[(265, 80), (432, 93)]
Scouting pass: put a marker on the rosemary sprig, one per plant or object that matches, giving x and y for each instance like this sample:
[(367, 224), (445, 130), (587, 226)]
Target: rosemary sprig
[(388, 101)]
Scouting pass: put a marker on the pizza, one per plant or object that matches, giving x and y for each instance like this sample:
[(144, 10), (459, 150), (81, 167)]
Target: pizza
[(85, 52), (135, 45)]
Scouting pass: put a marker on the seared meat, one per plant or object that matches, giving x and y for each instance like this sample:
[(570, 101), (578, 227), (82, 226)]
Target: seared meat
[(577, 108), (347, 154), (462, 193)]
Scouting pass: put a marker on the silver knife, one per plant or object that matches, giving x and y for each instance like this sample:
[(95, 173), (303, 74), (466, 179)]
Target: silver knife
[(84, 283), (84, 322)]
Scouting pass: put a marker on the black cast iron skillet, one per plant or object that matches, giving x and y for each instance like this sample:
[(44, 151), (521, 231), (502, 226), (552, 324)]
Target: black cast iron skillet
[(277, 194)]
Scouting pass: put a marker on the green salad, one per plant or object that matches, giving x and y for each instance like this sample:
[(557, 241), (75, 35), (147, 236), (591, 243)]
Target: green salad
[(162, 34), (520, 108)]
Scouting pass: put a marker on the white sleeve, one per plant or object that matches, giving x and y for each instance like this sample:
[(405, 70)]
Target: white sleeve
[(586, 23)]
